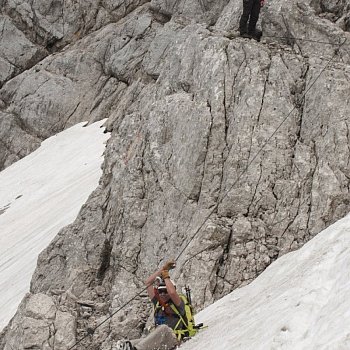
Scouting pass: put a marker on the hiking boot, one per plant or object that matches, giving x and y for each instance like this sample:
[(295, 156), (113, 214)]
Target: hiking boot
[(246, 35), (256, 34), (124, 345)]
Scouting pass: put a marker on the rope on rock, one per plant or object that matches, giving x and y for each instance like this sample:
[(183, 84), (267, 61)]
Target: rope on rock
[(302, 39), (258, 152), (91, 331)]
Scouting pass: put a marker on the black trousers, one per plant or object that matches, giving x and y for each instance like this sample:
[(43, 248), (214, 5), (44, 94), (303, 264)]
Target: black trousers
[(251, 11)]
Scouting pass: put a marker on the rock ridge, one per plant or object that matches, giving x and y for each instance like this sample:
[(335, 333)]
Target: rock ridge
[(189, 106)]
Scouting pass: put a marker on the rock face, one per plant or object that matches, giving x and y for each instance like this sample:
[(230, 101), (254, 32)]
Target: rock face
[(228, 151), (49, 95)]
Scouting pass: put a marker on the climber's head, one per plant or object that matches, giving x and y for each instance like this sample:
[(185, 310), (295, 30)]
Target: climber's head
[(162, 289)]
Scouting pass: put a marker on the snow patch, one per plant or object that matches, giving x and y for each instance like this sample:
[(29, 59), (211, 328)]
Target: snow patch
[(301, 301), (40, 194)]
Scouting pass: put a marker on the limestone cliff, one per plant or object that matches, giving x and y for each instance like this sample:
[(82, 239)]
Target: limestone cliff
[(200, 119)]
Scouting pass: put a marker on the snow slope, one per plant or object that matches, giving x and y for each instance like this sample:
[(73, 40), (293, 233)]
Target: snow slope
[(39, 195), (301, 301)]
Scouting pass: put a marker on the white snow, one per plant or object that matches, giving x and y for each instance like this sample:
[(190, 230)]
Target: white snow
[(301, 301), (39, 195)]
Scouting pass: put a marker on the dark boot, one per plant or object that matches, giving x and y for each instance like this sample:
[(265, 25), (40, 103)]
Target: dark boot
[(256, 34), (246, 35)]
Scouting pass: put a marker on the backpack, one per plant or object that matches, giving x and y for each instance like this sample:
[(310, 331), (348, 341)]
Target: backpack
[(186, 326)]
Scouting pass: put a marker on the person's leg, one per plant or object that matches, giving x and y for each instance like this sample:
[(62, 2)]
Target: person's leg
[(162, 338), (254, 16), (247, 8)]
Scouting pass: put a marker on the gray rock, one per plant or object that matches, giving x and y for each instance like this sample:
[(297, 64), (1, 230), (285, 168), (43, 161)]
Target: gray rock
[(54, 24), (201, 10), (16, 141), (69, 87), (40, 306), (64, 331), (17, 53), (37, 313), (222, 149)]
